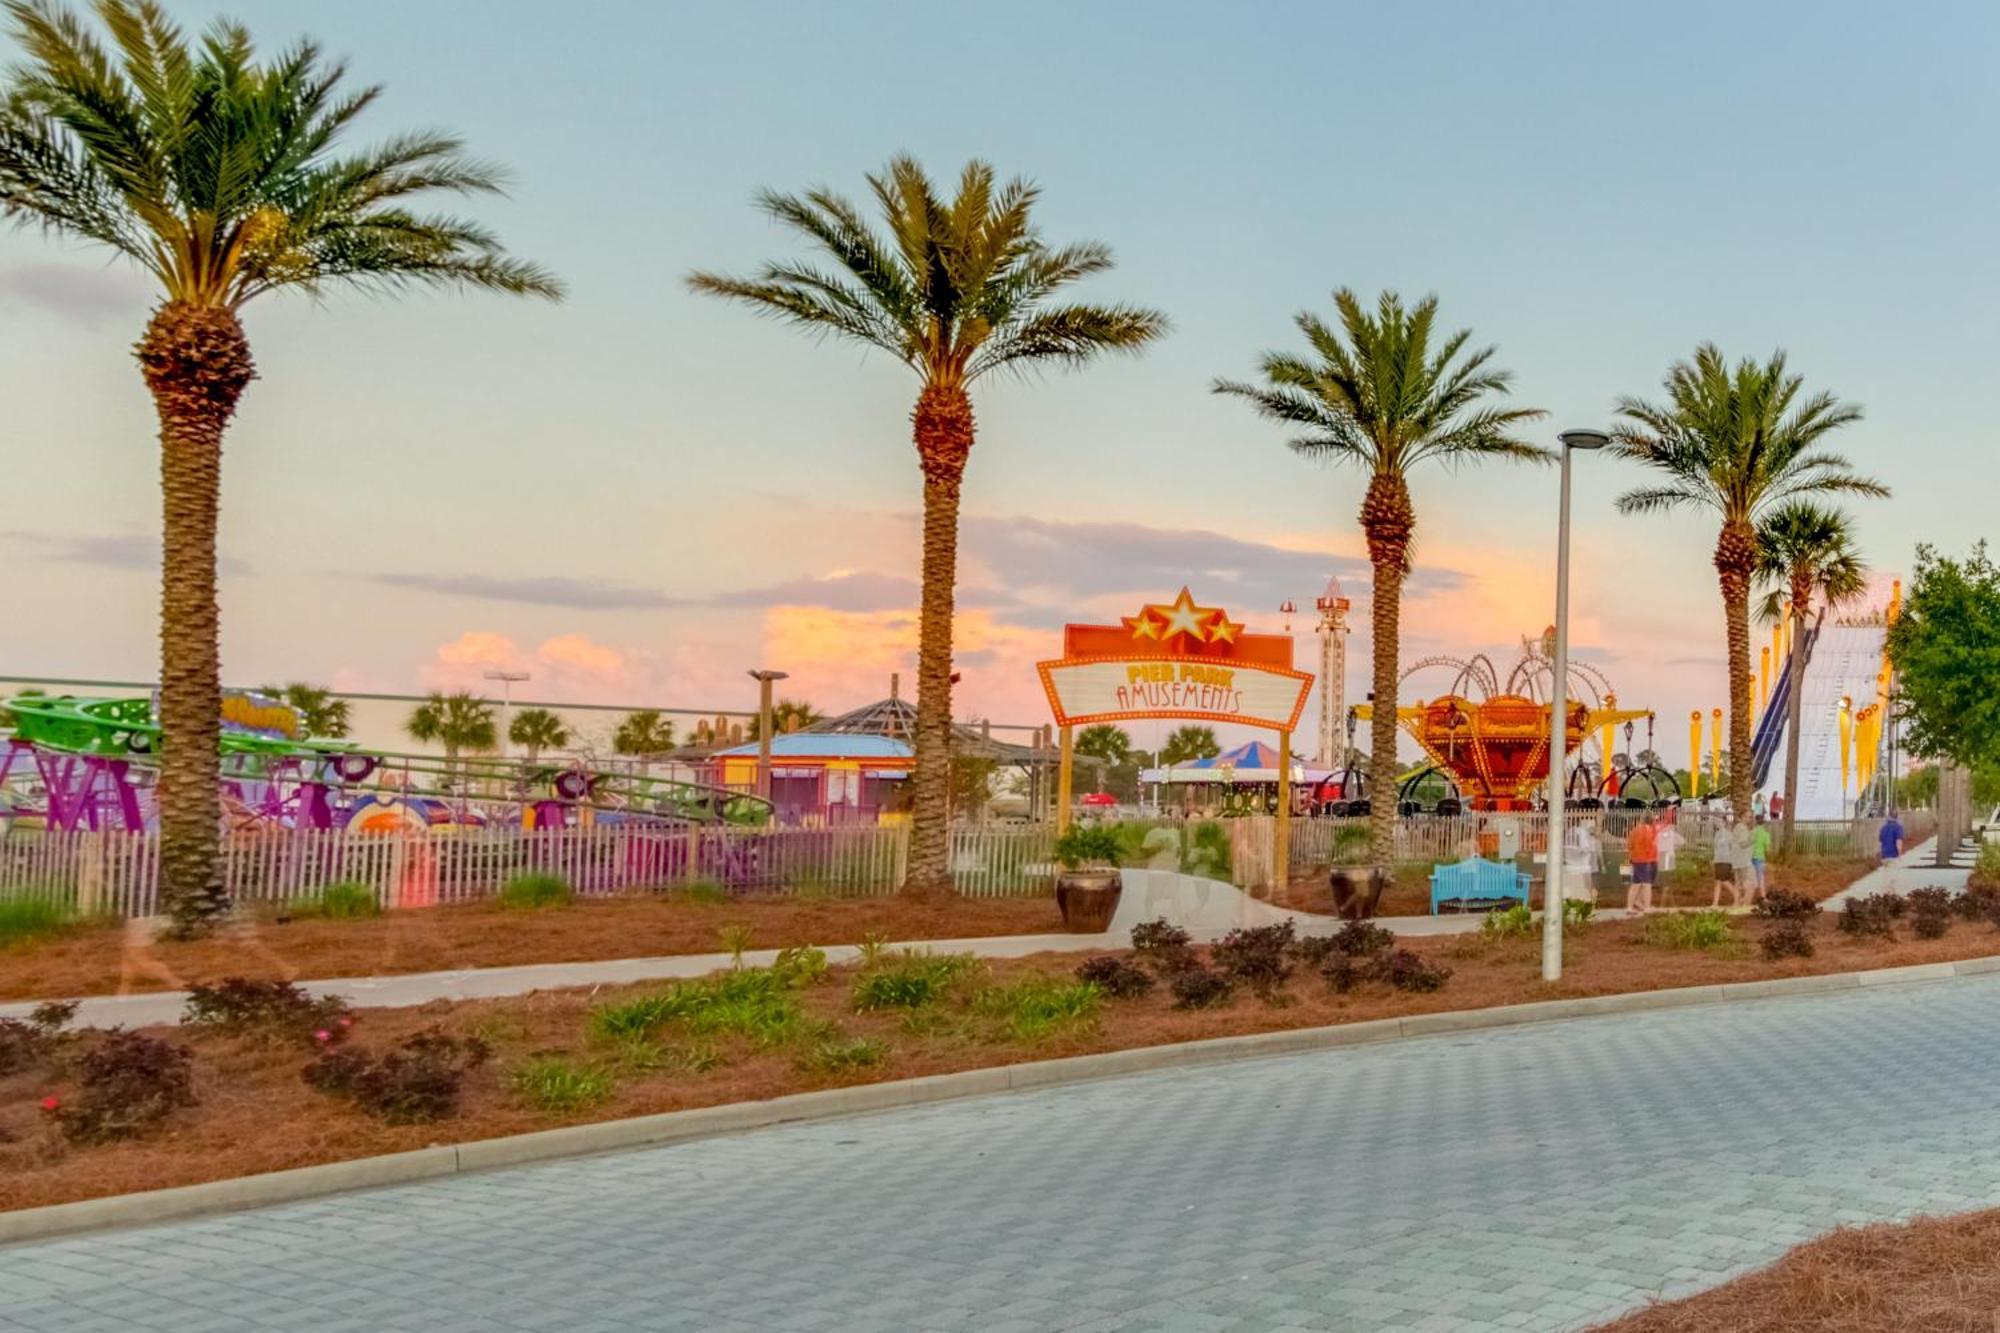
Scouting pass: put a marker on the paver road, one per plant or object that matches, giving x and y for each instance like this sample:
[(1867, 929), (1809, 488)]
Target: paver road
[(1533, 1178)]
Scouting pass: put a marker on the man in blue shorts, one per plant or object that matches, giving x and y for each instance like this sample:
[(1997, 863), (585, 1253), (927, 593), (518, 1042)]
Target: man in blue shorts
[(1892, 837)]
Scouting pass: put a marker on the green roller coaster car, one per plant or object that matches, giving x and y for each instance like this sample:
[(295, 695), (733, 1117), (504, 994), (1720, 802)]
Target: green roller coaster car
[(116, 727)]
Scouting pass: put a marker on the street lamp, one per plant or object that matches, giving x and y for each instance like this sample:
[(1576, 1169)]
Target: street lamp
[(1552, 893), (506, 679), (765, 679)]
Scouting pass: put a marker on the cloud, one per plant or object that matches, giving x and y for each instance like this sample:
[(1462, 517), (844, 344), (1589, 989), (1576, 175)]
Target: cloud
[(853, 591), (847, 591), (87, 296), (133, 551), (569, 593)]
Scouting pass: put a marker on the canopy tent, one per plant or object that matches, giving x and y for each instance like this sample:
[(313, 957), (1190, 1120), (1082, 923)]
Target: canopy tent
[(1253, 761)]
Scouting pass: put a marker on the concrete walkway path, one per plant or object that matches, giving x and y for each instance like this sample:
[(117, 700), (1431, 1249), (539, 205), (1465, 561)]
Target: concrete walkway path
[(1914, 869), (1543, 1177)]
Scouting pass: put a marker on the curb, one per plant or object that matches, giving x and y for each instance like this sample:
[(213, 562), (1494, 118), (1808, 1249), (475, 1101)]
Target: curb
[(309, 1182)]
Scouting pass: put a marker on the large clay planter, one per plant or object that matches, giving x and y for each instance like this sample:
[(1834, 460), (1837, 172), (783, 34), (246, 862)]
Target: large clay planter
[(1088, 899), (1357, 892)]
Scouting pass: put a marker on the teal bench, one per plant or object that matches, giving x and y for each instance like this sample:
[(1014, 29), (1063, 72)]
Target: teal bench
[(1477, 881)]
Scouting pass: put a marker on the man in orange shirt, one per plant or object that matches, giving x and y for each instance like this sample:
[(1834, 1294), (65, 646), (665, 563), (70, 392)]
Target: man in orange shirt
[(1642, 848)]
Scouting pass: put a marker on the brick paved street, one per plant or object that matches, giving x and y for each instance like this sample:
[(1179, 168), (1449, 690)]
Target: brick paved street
[(1533, 1178)]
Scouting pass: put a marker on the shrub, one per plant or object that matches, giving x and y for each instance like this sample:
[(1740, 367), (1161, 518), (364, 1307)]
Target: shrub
[(1931, 901), (126, 1084), (1195, 987), (1986, 869), (1978, 903), (553, 1085), (1343, 972), (707, 891), (1084, 844), (1206, 851), (1256, 956), (346, 901), (1871, 915), (28, 1044), (841, 1057), (535, 890), (1510, 923), (1033, 1007), (1579, 911), (1356, 939), (25, 920), (1785, 905), (274, 1010), (735, 939), (1688, 930), (1930, 925), (1408, 971), (1786, 937), (800, 965), (420, 1080), (1115, 976), (1163, 944), (911, 982)]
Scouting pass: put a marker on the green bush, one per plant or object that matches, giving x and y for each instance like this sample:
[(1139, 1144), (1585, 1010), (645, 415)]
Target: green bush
[(829, 1056), (1084, 844), (1205, 850), (1512, 923), (1688, 930), (707, 891), (347, 901), (1031, 1009), (909, 982), (26, 920), (800, 965), (554, 1086), (1579, 911), (535, 890)]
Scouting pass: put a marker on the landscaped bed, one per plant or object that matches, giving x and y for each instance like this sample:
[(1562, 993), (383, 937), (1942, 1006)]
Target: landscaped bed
[(106, 959), (1934, 1275), (315, 1085)]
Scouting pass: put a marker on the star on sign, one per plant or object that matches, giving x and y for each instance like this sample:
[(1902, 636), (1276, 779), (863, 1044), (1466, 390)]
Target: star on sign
[(1202, 624)]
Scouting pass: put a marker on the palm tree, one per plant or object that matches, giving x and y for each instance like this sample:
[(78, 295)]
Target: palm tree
[(456, 721), (1739, 443), (320, 713), (1377, 393), (1186, 743), (956, 290), (1802, 549), (537, 729), (788, 715), (215, 173), (1106, 742), (643, 733)]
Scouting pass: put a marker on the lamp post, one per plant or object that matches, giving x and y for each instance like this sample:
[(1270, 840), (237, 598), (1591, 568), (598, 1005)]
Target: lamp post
[(765, 679), (506, 679), (1552, 894)]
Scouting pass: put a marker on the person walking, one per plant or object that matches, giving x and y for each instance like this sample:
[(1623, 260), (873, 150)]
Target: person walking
[(1891, 837), (1760, 860), (1642, 848), (1725, 861)]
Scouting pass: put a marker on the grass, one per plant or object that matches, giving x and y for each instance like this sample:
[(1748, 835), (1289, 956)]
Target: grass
[(556, 1086), (1688, 930), (346, 901), (535, 891), (1034, 1008), (755, 1003), (707, 891), (910, 981), (28, 920), (831, 1056)]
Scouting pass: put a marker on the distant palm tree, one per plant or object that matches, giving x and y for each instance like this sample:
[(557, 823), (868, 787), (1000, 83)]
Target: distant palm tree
[(1188, 743), (320, 713), (788, 715), (1104, 741), (1804, 549), (456, 722), (643, 733), (1739, 443), (214, 173), (537, 729), (958, 289), (1378, 394)]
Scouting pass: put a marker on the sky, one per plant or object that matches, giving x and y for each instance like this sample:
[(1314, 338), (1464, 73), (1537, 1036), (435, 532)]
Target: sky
[(639, 494)]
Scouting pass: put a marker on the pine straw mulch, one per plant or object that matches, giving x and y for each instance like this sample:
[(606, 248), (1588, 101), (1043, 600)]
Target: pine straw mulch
[(115, 959), (255, 1114), (1934, 1275)]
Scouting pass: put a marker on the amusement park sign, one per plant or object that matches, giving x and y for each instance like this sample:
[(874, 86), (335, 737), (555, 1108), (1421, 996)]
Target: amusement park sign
[(1175, 660)]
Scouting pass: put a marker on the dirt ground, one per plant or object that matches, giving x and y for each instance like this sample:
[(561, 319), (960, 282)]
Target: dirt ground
[(256, 1115), (1934, 1275), (104, 960)]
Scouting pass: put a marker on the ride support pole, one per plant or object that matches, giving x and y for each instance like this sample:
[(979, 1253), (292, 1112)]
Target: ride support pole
[(1281, 836), (1063, 774)]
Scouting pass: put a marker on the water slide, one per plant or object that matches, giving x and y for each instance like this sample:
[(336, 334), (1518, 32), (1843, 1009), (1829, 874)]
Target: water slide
[(1843, 660)]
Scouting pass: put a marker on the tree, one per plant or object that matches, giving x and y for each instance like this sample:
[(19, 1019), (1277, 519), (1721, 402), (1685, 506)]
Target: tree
[(537, 729), (972, 784), (216, 174), (1945, 647), (320, 713), (1189, 743), (643, 733), (1378, 394), (457, 721), (787, 715), (1739, 443), (1804, 549), (1106, 742), (955, 291)]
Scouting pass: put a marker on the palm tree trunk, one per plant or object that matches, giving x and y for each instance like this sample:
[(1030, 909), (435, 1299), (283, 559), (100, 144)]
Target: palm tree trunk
[(943, 428), (1794, 710), (196, 362), (1735, 559), (1387, 520)]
